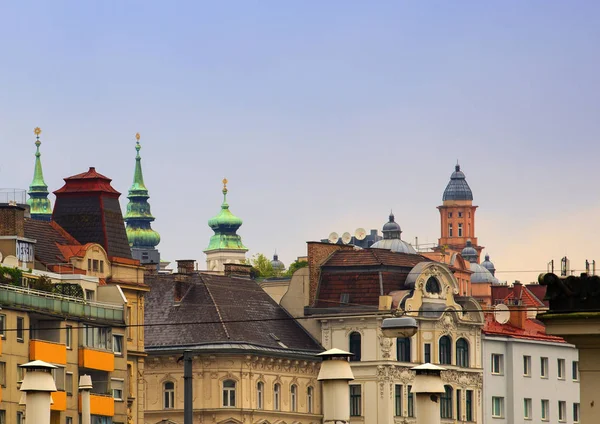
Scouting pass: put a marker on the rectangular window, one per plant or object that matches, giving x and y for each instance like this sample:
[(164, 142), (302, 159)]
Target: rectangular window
[(20, 417), (130, 322), (458, 404), (398, 400), (575, 370), (69, 420), (497, 407), (469, 405), (449, 214), (410, 407), (449, 230), (95, 265), (460, 230), (3, 374), (544, 367), (20, 329), (575, 412), (3, 326), (89, 264), (545, 410), (116, 386), (20, 373), (69, 338), (89, 295), (527, 366), (3, 417), (460, 214), (560, 371), (59, 378), (118, 344), (355, 400), (102, 266), (497, 363), (527, 408), (427, 355), (97, 337), (562, 411), (69, 383)]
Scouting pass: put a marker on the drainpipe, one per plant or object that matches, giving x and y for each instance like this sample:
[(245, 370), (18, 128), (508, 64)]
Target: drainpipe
[(188, 398), (85, 387), (336, 373), (38, 385)]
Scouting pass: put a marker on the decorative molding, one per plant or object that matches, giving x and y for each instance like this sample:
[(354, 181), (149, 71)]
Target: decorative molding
[(463, 379)]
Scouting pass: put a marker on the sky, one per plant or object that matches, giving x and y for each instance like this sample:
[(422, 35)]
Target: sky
[(323, 116)]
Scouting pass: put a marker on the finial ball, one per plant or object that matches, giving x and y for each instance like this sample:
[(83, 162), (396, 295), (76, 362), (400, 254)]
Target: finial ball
[(37, 131), (137, 136), (225, 182)]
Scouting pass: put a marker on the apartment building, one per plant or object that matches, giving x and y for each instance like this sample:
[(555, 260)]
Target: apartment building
[(529, 376)]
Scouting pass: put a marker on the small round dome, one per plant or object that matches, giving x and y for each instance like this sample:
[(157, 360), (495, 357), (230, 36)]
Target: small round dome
[(391, 226), (457, 188), (480, 274), (469, 253), (489, 265), (277, 264), (395, 245)]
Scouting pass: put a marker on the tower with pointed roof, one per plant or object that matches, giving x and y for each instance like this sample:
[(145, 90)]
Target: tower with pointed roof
[(142, 238), (39, 204), (457, 215), (225, 245)]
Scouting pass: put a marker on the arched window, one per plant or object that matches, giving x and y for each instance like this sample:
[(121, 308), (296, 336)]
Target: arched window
[(169, 395), (309, 399), (294, 398), (260, 395), (403, 349), (433, 285), (446, 403), (445, 348), (229, 393), (277, 396), (462, 353), (355, 346)]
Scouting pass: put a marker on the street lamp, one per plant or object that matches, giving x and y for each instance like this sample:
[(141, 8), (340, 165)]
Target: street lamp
[(399, 327)]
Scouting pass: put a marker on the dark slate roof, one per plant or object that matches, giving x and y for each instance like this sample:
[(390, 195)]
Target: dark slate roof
[(216, 301), (48, 234), (458, 188), (373, 257)]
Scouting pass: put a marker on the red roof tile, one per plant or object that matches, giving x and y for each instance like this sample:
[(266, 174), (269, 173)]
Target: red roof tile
[(90, 181), (533, 330)]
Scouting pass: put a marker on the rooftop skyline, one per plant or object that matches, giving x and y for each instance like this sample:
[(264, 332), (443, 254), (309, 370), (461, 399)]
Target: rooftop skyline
[(322, 117)]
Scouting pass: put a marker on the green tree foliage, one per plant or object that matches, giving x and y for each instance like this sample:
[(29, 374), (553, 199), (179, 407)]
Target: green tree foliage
[(261, 266), (10, 276), (295, 266)]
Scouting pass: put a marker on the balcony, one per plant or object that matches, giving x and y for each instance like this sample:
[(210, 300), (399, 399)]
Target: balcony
[(36, 300), (59, 401), (96, 359), (55, 353), (100, 405)]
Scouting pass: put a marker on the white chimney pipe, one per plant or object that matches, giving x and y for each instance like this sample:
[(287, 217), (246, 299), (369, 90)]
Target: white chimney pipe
[(336, 373), (427, 388), (38, 385), (85, 386)]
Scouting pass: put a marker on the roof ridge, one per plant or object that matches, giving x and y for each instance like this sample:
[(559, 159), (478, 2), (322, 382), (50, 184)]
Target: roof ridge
[(64, 233), (216, 308)]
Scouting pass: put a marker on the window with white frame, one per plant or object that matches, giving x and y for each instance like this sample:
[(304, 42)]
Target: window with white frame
[(69, 336), (3, 326), (560, 368), (69, 383), (3, 374), (527, 365), (168, 395), (229, 393), (497, 363), (497, 407), (20, 329), (575, 370), (97, 337), (562, 411), (449, 230), (260, 395), (118, 344), (545, 410), (460, 230), (310, 394), (544, 367), (59, 378), (116, 386), (575, 412), (277, 396), (527, 408)]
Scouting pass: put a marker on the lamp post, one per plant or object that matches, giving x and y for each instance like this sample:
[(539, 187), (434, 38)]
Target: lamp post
[(38, 385), (335, 373)]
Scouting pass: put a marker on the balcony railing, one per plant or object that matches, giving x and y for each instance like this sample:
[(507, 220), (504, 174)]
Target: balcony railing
[(100, 405), (60, 305), (55, 353)]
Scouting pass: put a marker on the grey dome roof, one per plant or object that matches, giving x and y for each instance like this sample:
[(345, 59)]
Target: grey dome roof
[(276, 263), (395, 245), (489, 265), (458, 188), (480, 274), (469, 253), (391, 229)]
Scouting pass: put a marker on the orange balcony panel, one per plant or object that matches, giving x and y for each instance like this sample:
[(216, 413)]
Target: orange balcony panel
[(59, 401), (96, 359), (100, 405), (55, 353)]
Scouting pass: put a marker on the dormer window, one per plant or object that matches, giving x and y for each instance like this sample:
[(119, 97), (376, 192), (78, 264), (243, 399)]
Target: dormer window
[(460, 230), (433, 286)]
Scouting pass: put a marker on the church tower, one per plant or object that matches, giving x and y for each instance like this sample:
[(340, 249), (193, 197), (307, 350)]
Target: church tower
[(39, 204), (142, 238), (457, 215), (225, 245)]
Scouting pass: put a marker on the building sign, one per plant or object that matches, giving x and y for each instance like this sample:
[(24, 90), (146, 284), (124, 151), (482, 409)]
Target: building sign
[(25, 251)]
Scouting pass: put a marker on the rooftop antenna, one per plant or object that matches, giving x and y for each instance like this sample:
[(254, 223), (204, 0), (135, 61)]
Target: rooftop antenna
[(550, 266)]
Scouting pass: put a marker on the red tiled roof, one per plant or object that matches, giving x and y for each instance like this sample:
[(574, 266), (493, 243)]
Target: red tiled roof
[(87, 182), (373, 257), (523, 294), (533, 330)]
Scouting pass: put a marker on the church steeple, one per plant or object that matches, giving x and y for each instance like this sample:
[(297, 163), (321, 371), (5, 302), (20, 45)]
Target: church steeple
[(142, 238), (39, 204)]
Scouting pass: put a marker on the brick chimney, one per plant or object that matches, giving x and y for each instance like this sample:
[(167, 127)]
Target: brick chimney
[(238, 270), (185, 266), (12, 220), (518, 315)]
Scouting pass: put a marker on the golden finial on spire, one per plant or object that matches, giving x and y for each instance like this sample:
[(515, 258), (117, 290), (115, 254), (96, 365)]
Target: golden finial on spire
[(37, 131), (225, 183), (137, 136)]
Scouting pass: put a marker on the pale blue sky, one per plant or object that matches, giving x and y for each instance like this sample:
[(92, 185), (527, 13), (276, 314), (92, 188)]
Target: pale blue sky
[(323, 115)]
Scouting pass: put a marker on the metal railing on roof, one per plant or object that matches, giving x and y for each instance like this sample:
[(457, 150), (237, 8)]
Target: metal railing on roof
[(13, 196)]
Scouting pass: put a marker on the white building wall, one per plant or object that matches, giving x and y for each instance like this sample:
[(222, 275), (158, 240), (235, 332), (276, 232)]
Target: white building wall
[(514, 387)]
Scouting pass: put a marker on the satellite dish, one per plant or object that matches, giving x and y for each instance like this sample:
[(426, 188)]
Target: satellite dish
[(501, 313), (11, 261), (0, 257), (360, 234), (333, 237), (346, 238)]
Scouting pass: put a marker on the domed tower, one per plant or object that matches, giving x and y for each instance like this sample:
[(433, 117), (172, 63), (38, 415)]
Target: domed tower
[(457, 214), (142, 238), (277, 265), (225, 245), (489, 265), (39, 204), (391, 238)]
